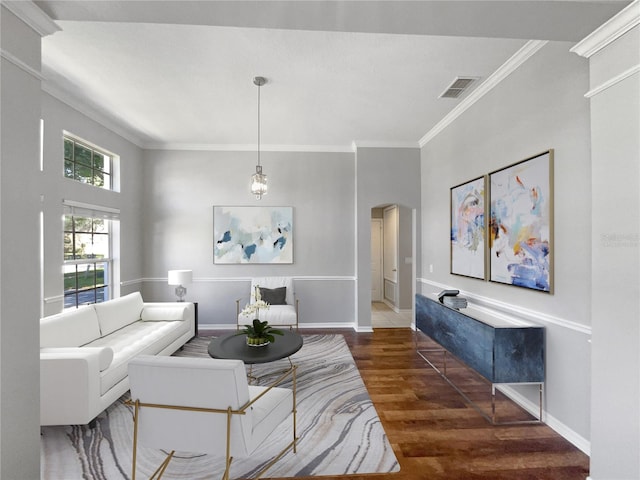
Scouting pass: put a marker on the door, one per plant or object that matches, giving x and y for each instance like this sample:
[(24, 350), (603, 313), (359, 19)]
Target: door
[(376, 260), (390, 254)]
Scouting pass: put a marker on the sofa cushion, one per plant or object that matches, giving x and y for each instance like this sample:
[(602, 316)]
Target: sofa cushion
[(163, 313), (71, 328), (119, 312)]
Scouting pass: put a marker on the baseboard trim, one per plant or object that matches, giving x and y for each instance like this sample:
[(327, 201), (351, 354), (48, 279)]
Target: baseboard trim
[(211, 327), (518, 314), (577, 440)]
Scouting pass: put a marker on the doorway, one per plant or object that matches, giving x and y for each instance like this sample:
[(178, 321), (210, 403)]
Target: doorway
[(391, 278)]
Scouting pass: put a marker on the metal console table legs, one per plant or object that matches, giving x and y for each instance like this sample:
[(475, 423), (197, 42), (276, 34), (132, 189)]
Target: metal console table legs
[(492, 416)]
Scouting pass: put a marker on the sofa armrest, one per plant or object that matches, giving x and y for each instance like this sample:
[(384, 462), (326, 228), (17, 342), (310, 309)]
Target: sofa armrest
[(69, 385), (178, 311), (170, 310), (105, 354)]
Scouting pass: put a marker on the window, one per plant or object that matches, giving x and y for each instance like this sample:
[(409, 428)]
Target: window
[(87, 262), (87, 164)]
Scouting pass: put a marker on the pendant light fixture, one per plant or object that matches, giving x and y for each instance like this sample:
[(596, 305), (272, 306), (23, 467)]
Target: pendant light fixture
[(259, 179)]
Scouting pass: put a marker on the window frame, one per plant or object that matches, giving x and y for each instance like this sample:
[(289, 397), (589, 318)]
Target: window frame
[(90, 262), (107, 172)]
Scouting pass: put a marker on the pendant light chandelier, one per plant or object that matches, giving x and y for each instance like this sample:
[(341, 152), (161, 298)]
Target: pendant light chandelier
[(259, 179)]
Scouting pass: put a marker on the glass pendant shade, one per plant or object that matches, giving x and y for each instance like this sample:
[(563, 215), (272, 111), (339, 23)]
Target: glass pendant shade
[(259, 179), (258, 183)]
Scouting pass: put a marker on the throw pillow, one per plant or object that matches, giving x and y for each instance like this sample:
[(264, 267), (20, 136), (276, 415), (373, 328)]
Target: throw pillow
[(274, 296)]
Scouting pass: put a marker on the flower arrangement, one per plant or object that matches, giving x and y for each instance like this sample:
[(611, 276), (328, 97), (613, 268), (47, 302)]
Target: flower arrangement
[(258, 333), (256, 305)]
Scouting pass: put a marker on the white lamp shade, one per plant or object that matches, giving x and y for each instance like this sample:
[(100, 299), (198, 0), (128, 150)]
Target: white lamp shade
[(180, 277)]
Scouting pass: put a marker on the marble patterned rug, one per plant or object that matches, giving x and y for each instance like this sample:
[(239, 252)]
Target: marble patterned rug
[(339, 429)]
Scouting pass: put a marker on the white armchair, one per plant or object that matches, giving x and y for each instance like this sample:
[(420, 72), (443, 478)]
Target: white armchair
[(283, 308), (205, 405)]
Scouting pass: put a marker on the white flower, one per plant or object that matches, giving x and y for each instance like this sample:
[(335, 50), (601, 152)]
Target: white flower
[(256, 306)]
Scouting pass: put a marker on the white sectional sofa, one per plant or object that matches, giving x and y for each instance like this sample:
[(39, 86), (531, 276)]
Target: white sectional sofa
[(84, 352)]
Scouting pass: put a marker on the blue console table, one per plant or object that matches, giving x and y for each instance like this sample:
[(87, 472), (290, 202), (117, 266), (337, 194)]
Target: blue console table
[(499, 351)]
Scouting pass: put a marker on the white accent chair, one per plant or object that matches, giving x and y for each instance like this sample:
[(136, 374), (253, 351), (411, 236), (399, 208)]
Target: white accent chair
[(285, 315), (205, 405)]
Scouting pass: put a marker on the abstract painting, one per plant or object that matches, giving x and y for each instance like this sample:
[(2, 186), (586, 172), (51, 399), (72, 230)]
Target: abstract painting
[(468, 229), (252, 235), (521, 224)]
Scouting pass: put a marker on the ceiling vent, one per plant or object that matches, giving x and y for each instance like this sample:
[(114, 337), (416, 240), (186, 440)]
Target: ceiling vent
[(458, 87)]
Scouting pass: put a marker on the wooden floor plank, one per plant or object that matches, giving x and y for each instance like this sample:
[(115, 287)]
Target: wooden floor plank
[(435, 434)]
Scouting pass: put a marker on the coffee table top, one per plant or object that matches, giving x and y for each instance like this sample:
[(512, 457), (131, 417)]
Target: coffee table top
[(232, 346)]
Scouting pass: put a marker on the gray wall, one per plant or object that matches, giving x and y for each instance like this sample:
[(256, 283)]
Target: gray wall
[(539, 106), (19, 244), (59, 117), (180, 190), (384, 176), (405, 259)]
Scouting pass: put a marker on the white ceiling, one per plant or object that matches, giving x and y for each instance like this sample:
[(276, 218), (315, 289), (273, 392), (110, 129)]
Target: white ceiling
[(179, 74)]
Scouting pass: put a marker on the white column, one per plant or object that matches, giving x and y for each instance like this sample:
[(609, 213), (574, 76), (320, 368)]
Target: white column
[(614, 62), (20, 179)]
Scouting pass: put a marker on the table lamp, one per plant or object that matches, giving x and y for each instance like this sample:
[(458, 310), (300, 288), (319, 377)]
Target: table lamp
[(180, 278)]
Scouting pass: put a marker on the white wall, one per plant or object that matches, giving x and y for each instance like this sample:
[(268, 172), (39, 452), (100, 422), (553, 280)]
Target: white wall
[(539, 106), (59, 117), (181, 188), (19, 243)]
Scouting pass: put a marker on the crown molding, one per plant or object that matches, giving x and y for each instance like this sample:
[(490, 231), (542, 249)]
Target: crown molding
[(21, 65), (33, 16), (206, 147), (609, 31), (356, 145), (122, 131), (91, 113), (521, 56)]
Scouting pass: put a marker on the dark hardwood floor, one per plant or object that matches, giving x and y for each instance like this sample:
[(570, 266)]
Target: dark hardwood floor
[(435, 434)]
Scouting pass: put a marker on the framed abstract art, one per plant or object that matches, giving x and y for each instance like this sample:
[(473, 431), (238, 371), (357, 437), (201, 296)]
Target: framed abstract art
[(521, 223), (468, 232), (252, 235)]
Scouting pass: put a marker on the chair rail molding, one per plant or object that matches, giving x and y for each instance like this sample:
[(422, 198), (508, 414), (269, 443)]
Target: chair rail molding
[(512, 313), (322, 278), (613, 81)]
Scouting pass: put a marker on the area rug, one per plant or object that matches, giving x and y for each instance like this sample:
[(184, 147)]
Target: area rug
[(339, 429)]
